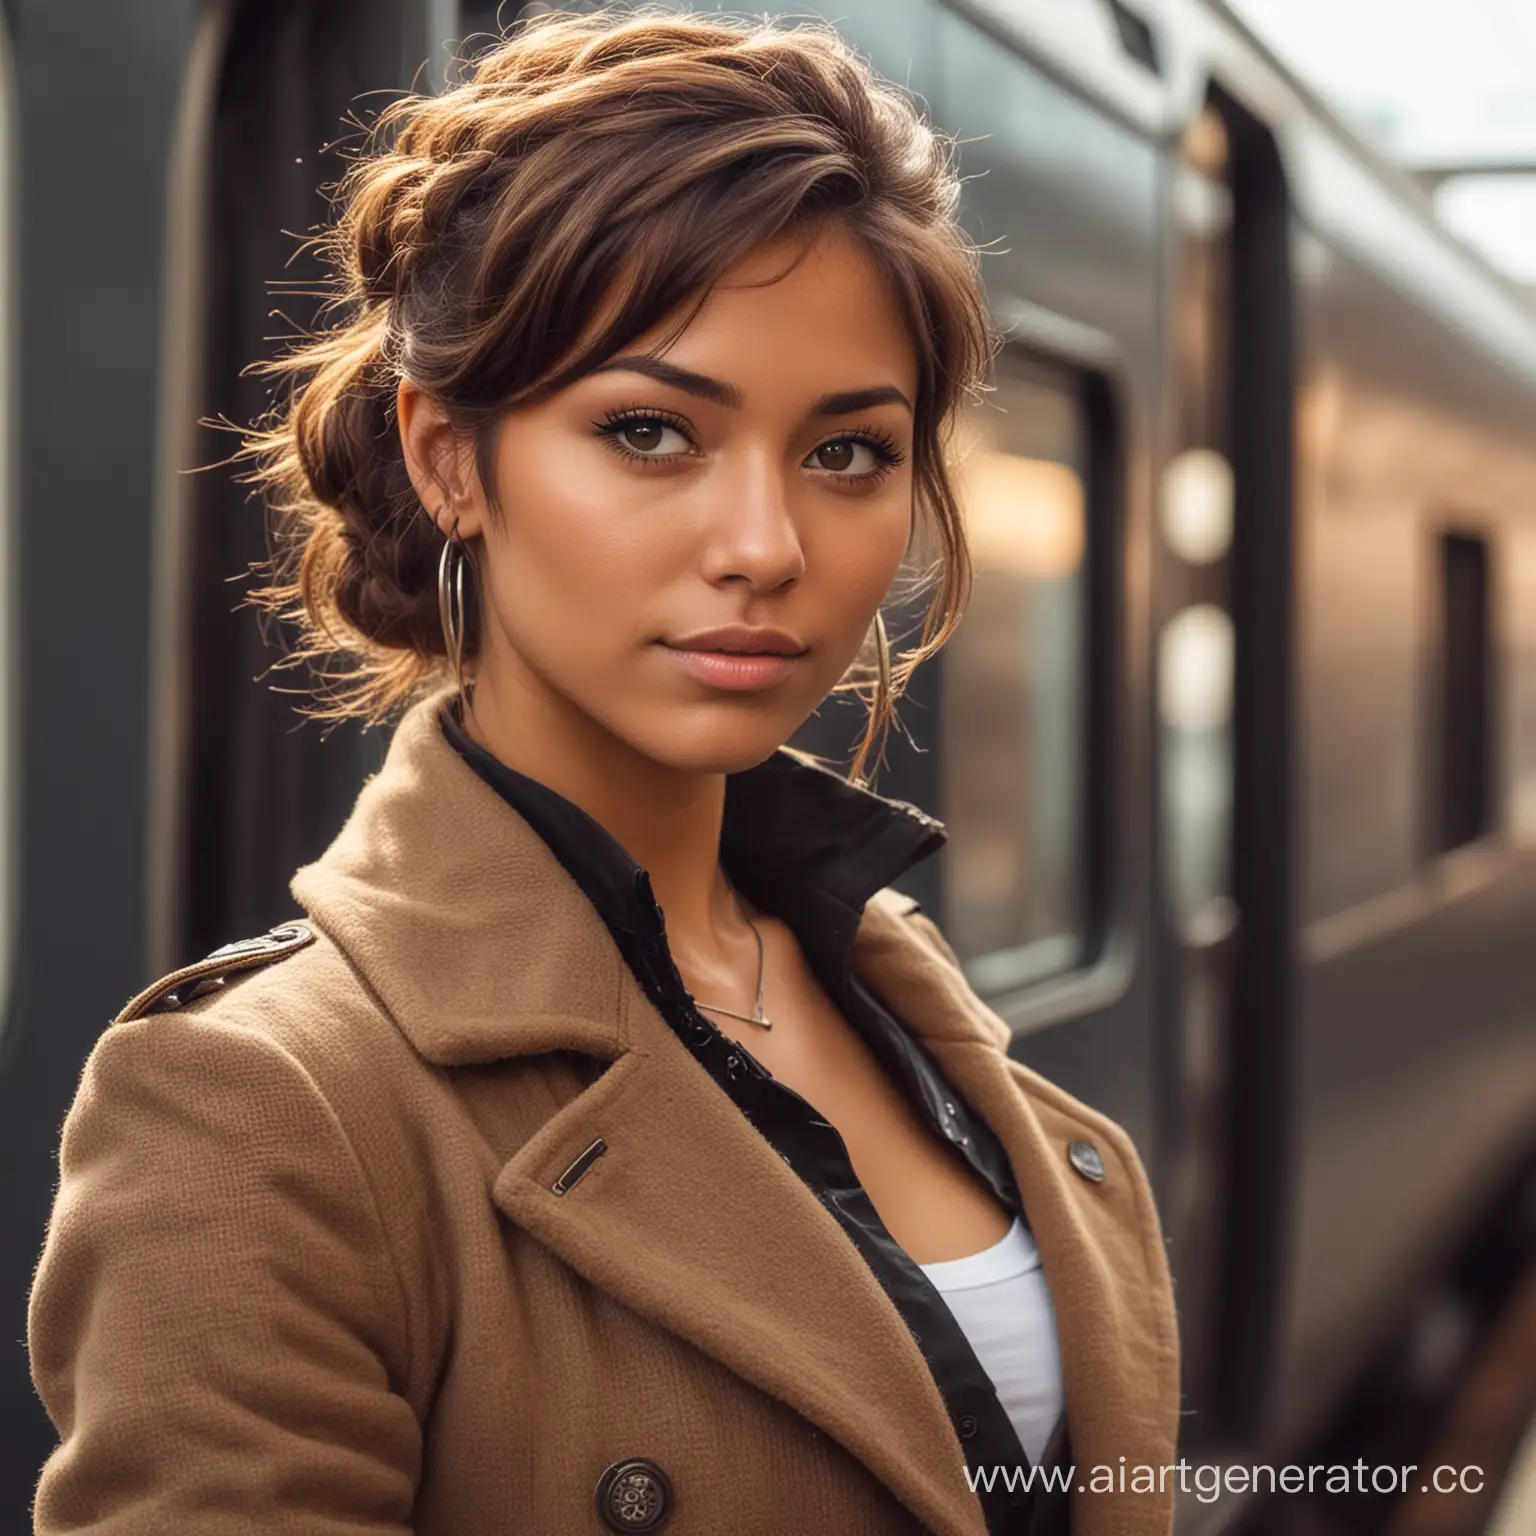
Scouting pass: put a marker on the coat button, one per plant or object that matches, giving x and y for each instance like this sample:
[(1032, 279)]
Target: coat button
[(633, 1495), (967, 1426), (1084, 1157)]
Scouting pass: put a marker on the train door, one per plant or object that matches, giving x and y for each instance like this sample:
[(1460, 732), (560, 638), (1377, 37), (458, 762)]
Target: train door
[(244, 789), (1224, 749)]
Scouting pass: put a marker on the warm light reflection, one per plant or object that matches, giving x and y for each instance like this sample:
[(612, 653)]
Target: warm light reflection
[(1013, 701), (1195, 656), (1205, 142), (1023, 516)]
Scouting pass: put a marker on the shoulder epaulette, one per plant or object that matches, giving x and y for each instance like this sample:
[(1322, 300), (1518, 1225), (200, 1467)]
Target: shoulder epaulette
[(180, 987)]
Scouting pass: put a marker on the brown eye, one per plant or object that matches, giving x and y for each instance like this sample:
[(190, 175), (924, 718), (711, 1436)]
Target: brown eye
[(836, 456), (643, 436)]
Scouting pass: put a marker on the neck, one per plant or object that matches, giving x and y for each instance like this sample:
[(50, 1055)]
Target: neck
[(668, 821)]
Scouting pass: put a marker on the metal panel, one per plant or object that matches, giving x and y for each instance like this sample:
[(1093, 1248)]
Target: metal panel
[(97, 86), (1416, 1052)]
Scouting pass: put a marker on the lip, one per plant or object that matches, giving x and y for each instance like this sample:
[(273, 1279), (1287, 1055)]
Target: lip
[(735, 672), (740, 639)]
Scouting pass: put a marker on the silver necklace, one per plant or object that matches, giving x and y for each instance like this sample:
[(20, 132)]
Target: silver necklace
[(730, 1012)]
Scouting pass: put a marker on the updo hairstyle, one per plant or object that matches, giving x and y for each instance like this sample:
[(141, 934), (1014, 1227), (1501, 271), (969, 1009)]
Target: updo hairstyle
[(478, 232)]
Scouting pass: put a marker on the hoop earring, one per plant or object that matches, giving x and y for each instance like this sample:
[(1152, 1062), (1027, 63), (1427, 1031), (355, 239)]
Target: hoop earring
[(450, 605), (883, 665)]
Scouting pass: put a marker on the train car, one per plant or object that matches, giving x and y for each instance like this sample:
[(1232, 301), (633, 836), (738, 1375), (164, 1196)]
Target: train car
[(1236, 746)]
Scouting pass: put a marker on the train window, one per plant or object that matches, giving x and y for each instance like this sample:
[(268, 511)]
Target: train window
[(1013, 713), (1463, 704)]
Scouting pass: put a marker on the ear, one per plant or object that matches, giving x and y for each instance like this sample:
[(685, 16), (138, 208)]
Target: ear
[(439, 460)]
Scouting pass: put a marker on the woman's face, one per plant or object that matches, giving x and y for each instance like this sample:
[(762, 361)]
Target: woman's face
[(758, 473)]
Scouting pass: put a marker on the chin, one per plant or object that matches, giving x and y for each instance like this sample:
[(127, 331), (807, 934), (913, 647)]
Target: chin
[(729, 746)]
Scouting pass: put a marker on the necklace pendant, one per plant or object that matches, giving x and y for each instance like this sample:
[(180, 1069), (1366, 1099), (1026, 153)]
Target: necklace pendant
[(746, 1018)]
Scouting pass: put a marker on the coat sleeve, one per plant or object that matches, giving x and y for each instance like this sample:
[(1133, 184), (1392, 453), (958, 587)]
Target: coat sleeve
[(216, 1320)]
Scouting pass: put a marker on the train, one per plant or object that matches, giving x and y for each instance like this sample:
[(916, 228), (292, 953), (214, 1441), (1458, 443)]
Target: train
[(1235, 748)]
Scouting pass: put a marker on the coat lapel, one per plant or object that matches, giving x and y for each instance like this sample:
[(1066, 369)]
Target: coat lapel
[(671, 1220), (1099, 1242)]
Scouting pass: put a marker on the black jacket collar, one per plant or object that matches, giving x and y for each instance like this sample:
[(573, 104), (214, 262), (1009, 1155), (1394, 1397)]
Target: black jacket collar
[(798, 839)]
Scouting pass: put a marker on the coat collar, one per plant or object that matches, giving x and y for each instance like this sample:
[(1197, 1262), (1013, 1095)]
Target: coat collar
[(480, 947), (434, 875), (800, 840)]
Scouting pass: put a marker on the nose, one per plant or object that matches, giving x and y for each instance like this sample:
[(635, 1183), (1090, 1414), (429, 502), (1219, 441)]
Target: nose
[(754, 535)]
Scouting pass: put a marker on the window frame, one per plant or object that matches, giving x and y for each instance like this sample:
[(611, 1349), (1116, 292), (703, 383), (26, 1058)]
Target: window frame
[(1445, 723), (1086, 366)]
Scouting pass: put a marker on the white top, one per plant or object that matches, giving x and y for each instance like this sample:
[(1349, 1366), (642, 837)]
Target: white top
[(1000, 1299)]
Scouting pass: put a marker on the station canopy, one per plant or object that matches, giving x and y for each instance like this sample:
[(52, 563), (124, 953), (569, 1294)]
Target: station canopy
[(1447, 88)]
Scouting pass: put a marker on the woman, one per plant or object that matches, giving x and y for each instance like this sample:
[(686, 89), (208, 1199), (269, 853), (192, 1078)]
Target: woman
[(487, 1199)]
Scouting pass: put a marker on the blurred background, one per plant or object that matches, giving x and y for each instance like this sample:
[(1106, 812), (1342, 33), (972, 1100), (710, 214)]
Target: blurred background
[(1236, 745)]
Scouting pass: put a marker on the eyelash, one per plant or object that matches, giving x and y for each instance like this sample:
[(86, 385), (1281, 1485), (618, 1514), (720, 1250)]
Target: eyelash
[(876, 439)]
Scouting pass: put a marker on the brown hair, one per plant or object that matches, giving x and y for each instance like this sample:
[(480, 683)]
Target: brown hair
[(480, 229)]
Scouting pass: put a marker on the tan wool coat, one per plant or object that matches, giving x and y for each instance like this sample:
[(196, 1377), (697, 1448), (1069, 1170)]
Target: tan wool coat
[(308, 1270)]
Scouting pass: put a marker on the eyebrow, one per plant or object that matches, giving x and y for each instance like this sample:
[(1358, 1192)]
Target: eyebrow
[(718, 392)]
